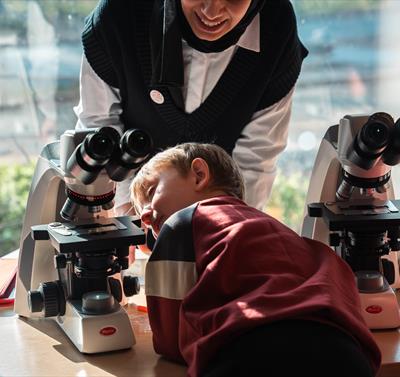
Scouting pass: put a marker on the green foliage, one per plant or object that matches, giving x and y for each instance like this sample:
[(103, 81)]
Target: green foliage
[(288, 198), (14, 188)]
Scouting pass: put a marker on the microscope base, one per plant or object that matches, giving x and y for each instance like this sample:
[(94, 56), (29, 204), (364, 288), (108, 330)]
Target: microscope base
[(97, 333), (380, 310)]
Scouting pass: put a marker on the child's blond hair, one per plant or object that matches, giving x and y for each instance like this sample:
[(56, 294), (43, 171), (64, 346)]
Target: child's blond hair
[(225, 174)]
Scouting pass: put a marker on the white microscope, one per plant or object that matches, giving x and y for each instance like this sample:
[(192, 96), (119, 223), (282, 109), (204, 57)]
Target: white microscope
[(351, 207), (69, 247)]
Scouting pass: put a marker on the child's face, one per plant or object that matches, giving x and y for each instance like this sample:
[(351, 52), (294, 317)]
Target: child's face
[(168, 192)]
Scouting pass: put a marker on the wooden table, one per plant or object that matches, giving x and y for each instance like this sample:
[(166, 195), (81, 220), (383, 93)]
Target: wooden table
[(40, 348), (389, 344)]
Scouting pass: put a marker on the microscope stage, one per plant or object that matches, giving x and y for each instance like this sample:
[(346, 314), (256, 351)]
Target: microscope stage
[(98, 234)]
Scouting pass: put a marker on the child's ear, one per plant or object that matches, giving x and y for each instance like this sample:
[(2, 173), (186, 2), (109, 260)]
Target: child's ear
[(201, 173)]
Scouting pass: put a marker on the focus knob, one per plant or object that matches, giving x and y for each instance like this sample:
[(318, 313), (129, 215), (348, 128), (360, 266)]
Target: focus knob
[(49, 297), (131, 285), (35, 301)]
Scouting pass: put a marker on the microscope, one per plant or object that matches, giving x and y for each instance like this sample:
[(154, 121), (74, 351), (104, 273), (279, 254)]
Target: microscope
[(70, 245), (351, 207)]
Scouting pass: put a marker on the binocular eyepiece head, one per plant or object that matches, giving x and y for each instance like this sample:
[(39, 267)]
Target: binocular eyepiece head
[(104, 148), (371, 140)]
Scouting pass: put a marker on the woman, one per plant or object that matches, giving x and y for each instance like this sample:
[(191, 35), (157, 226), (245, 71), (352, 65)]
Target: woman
[(220, 71)]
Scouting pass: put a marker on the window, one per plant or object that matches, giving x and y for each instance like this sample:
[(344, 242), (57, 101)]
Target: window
[(352, 68), (40, 57)]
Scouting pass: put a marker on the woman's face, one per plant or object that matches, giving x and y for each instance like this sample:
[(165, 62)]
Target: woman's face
[(212, 19)]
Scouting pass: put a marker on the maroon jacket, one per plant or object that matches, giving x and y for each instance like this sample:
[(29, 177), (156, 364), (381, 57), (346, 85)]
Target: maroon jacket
[(220, 268)]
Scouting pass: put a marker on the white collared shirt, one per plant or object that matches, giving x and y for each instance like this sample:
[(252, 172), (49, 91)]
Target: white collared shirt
[(263, 138)]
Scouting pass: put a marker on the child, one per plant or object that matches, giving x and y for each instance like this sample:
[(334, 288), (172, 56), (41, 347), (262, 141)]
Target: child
[(233, 292)]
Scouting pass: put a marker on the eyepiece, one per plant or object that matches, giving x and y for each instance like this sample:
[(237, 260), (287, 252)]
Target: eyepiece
[(371, 140), (134, 149), (136, 143), (92, 154), (99, 146), (374, 134)]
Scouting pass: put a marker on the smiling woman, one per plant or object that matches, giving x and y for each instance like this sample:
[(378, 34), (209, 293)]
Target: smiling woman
[(352, 68), (209, 71)]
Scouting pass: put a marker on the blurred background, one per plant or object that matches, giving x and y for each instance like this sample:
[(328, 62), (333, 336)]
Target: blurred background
[(352, 68)]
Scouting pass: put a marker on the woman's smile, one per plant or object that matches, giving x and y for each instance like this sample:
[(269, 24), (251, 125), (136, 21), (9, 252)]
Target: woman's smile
[(210, 26)]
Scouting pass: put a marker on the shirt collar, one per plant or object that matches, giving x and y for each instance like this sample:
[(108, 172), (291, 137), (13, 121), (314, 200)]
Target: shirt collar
[(250, 39)]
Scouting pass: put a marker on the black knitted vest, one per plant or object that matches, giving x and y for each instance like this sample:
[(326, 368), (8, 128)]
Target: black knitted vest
[(116, 45)]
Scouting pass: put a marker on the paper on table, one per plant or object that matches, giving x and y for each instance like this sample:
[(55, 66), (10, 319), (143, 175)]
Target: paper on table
[(8, 271)]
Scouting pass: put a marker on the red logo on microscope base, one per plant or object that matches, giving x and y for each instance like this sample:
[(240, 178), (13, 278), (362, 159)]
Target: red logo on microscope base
[(373, 309), (107, 331)]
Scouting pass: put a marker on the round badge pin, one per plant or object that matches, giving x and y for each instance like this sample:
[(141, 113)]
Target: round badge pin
[(157, 97)]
